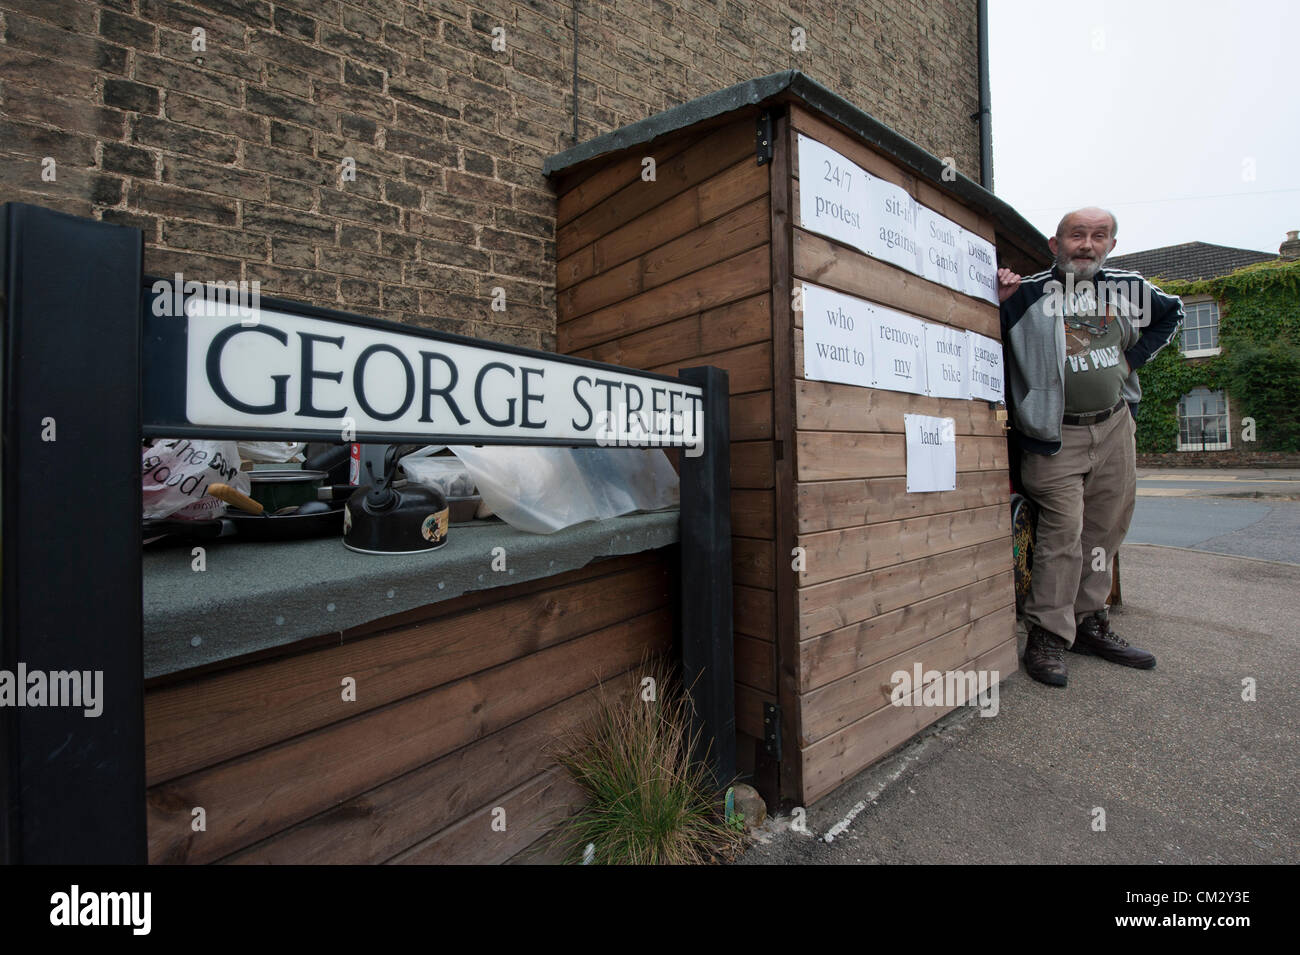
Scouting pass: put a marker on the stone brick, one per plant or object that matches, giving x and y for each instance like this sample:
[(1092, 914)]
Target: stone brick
[(78, 116), (208, 115), (75, 15), (223, 180), (219, 30), (20, 67), (345, 97), (358, 237), (372, 54), (193, 236), (149, 131), (38, 142), (374, 268), (358, 128), (421, 147), (399, 297), (280, 220), (34, 36), (359, 293), (478, 163), (214, 58), (342, 205), (294, 25), (525, 222), (127, 31), (168, 74), (193, 264), (512, 242), (451, 253), (402, 194), (148, 225), (293, 253), (288, 164), (361, 23), (125, 94), (296, 54), (169, 201), (408, 41), (129, 160), (289, 136), (357, 75), (420, 94), (280, 106), (295, 195), (440, 227), (398, 245), (280, 282)]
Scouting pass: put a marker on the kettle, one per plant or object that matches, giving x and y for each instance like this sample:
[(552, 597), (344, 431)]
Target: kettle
[(381, 519)]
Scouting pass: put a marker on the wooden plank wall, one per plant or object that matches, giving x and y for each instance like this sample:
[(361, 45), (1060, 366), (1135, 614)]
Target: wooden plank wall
[(675, 272), (891, 578), (454, 714)]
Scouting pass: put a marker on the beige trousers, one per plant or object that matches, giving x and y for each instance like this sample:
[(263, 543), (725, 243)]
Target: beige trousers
[(1085, 495)]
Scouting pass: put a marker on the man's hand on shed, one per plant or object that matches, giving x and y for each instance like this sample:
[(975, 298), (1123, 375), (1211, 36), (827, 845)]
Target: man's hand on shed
[(1008, 282)]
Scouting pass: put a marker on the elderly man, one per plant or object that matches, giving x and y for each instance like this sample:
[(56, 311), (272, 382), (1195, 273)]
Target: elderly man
[(1075, 337)]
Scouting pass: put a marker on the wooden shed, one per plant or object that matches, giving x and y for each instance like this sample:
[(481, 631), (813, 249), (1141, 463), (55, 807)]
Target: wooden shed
[(679, 241)]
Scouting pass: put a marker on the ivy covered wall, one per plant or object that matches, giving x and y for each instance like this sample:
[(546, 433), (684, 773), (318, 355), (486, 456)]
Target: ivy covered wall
[(1259, 363)]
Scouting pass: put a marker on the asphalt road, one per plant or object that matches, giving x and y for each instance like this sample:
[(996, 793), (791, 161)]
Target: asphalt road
[(1264, 529)]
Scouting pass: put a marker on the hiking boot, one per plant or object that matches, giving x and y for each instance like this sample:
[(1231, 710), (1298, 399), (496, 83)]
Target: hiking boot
[(1094, 636), (1045, 657)]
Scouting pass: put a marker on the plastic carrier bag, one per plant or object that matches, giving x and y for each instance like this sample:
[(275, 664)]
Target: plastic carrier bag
[(543, 490), (176, 474)]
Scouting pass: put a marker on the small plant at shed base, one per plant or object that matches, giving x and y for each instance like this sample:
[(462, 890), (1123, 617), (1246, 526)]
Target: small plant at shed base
[(647, 802)]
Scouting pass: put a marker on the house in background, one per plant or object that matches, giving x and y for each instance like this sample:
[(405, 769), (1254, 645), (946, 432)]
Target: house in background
[(1205, 416)]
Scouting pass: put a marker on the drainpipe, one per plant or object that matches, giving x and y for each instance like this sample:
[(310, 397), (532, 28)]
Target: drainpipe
[(985, 114)]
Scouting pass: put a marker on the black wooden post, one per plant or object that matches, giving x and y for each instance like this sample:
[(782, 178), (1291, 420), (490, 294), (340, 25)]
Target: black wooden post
[(73, 788), (706, 612)]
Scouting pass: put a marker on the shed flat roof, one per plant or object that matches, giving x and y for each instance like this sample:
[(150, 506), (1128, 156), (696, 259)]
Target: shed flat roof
[(793, 84)]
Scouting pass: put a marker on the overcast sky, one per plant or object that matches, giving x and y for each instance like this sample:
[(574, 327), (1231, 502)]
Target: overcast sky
[(1183, 117)]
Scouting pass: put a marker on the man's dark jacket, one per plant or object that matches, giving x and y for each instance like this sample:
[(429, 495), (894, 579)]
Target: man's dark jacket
[(1033, 336)]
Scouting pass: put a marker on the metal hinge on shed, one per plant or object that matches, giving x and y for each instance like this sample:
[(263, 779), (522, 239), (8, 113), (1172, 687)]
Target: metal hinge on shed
[(764, 137), (772, 729)]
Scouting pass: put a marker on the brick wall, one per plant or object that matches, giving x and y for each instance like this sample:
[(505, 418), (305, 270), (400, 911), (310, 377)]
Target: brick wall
[(230, 157)]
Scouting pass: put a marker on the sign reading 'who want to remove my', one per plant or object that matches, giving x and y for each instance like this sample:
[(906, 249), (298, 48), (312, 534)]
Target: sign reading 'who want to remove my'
[(854, 342)]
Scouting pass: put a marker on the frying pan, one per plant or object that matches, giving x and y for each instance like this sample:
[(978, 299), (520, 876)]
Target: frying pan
[(253, 527)]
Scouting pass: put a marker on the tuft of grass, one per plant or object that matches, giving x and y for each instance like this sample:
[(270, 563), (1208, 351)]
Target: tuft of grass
[(647, 802)]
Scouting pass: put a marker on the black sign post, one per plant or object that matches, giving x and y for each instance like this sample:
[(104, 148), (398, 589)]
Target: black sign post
[(71, 661), (95, 357)]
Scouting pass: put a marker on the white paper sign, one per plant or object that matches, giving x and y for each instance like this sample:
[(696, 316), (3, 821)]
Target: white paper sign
[(987, 375), (942, 249), (947, 354), (931, 453), (892, 215), (980, 274), (832, 194), (836, 346), (897, 350)]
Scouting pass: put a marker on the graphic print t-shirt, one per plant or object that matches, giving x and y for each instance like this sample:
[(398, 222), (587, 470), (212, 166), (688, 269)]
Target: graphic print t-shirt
[(1095, 368)]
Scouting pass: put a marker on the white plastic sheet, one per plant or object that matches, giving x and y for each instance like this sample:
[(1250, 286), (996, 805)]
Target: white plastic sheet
[(543, 490)]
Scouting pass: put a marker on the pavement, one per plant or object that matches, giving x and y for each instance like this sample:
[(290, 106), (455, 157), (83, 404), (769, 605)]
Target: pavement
[(1282, 483), (1170, 765)]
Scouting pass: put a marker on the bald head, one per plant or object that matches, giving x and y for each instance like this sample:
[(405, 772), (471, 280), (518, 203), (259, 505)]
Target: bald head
[(1091, 214), (1083, 240)]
